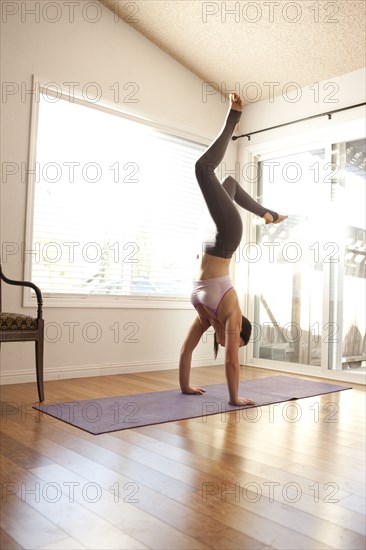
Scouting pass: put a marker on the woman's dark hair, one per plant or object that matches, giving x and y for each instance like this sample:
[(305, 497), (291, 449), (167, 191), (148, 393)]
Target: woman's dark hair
[(246, 331), (216, 346)]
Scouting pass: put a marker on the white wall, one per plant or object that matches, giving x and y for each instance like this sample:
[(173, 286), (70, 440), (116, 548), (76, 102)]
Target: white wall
[(293, 103), (105, 52)]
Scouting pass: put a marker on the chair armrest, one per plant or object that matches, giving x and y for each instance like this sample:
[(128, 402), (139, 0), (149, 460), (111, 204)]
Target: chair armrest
[(28, 284)]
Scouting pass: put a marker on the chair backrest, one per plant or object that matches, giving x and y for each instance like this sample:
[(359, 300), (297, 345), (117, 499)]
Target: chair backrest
[(24, 283)]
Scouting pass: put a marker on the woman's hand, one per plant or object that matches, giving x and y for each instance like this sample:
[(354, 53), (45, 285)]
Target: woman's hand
[(194, 391), (242, 401)]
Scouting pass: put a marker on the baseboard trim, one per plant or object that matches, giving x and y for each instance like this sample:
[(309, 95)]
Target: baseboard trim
[(88, 371)]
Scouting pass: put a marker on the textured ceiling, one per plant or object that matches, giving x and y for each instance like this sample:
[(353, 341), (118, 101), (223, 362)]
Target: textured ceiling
[(261, 41)]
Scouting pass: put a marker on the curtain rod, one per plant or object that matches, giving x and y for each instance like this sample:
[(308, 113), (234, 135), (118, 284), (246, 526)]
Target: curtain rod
[(300, 120)]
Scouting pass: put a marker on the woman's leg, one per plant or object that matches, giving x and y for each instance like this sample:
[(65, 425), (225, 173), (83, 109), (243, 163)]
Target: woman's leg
[(241, 197), (212, 157), (222, 210)]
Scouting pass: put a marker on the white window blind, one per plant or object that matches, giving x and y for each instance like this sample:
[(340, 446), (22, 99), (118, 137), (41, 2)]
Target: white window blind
[(117, 208)]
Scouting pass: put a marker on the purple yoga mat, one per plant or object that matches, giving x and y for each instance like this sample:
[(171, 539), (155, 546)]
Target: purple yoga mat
[(110, 414)]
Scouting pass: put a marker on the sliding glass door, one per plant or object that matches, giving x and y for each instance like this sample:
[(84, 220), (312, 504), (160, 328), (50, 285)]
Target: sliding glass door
[(288, 298), (308, 276), (347, 277)]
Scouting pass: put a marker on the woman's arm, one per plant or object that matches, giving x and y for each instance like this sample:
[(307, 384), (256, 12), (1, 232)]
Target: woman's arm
[(232, 344), (190, 343)]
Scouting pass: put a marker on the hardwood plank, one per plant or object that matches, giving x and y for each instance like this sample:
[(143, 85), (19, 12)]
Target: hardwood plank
[(38, 514), (261, 438), (6, 542), (314, 492), (282, 514), (171, 512), (357, 445), (251, 469), (66, 544), (323, 477), (27, 526), (245, 444), (20, 454), (170, 464), (116, 504), (247, 520), (19, 521), (63, 446), (156, 504), (355, 503)]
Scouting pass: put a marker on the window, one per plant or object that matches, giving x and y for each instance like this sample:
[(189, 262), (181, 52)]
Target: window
[(116, 208)]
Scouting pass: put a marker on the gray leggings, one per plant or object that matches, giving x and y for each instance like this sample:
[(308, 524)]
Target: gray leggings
[(219, 198)]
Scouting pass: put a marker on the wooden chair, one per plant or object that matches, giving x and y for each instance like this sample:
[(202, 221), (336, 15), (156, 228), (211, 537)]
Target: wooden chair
[(16, 327)]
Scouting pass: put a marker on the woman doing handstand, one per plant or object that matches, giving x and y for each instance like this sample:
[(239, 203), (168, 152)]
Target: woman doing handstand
[(213, 296)]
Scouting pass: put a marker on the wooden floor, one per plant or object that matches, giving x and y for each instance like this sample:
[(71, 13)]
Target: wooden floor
[(287, 476)]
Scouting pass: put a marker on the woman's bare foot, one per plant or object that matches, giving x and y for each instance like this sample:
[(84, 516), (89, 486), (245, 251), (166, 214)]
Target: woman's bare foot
[(236, 102), (269, 218), (242, 401), (237, 105)]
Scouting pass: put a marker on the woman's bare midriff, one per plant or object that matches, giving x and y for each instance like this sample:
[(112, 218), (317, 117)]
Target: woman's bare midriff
[(210, 267)]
